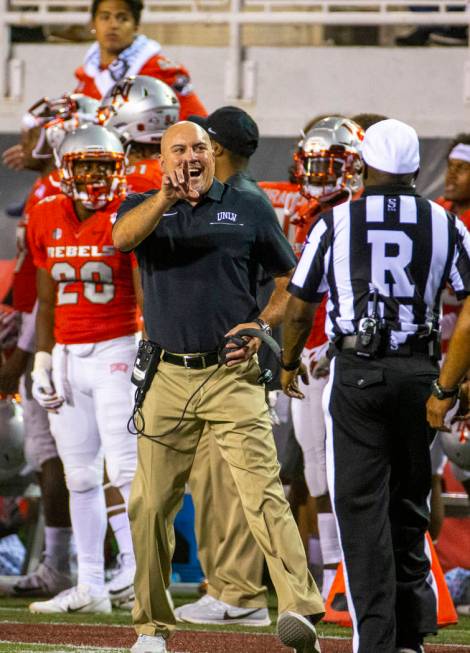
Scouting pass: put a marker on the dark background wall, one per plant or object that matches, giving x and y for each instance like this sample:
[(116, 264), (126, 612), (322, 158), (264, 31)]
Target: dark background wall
[(269, 163)]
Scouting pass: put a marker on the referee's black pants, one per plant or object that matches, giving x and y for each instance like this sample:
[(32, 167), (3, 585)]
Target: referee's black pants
[(379, 477)]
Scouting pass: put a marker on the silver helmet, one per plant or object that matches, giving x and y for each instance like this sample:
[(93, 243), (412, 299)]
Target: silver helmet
[(328, 157), (88, 144), (140, 109), (11, 438), (77, 109), (456, 444), (57, 116)]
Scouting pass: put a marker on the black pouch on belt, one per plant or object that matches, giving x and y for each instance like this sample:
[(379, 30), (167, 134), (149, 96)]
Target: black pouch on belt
[(369, 338), (145, 365)]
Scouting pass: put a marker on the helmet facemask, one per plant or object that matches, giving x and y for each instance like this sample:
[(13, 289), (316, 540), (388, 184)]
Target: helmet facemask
[(328, 158), (97, 188), (324, 172)]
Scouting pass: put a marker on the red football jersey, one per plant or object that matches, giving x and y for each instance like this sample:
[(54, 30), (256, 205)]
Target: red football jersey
[(290, 205), (24, 284), (160, 67), (465, 216), (143, 176), (450, 306), (95, 298), (306, 216), (285, 198)]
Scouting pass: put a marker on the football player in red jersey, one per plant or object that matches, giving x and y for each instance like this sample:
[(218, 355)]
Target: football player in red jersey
[(326, 172), (85, 345), (139, 109), (120, 52), (53, 573)]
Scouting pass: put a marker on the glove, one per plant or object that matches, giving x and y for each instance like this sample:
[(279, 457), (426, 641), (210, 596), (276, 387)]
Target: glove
[(43, 388)]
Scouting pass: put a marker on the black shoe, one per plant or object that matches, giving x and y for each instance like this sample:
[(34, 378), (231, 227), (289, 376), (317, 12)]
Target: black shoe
[(417, 37)]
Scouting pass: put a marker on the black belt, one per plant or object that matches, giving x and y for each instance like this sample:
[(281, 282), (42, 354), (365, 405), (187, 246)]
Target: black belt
[(192, 361), (414, 345)]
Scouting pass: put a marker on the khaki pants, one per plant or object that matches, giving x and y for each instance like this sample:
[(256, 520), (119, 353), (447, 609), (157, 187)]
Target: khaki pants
[(231, 560), (232, 404)]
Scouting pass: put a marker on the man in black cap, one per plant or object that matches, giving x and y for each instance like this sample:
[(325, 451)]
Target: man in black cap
[(231, 559), (234, 136)]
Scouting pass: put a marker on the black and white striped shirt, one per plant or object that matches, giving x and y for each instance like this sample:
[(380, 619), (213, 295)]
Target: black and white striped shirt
[(391, 241)]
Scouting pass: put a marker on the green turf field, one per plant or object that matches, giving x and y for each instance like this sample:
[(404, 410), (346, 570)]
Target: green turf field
[(15, 611)]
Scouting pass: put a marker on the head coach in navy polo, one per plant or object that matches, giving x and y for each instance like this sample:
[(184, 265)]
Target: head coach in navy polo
[(384, 261), (199, 244)]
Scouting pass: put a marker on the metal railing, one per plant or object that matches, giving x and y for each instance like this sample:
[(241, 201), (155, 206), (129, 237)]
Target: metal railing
[(239, 12), (235, 14)]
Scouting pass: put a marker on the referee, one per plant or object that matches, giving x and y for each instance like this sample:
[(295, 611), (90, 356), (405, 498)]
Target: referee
[(384, 261)]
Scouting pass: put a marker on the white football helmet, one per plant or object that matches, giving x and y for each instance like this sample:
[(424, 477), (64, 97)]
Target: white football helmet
[(92, 143), (56, 117), (456, 444), (77, 110), (11, 439), (140, 109), (328, 157)]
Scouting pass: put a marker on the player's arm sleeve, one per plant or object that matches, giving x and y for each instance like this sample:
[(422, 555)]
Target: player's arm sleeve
[(179, 79), (309, 280), (34, 237), (272, 249), (460, 268)]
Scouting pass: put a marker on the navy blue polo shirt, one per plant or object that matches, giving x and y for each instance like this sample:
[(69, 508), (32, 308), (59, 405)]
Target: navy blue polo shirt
[(199, 266)]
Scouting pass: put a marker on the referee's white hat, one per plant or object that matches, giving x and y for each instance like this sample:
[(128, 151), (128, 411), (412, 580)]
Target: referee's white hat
[(391, 146)]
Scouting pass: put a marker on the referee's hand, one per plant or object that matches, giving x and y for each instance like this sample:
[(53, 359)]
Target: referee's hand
[(290, 381), (436, 411)]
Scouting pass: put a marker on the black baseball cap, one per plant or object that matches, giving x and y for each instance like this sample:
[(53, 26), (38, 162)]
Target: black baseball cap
[(231, 127)]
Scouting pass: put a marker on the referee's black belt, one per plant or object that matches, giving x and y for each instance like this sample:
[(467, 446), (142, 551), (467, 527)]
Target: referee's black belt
[(414, 345), (192, 361)]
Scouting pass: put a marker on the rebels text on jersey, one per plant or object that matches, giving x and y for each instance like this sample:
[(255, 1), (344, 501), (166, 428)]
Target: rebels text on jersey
[(24, 285), (95, 298)]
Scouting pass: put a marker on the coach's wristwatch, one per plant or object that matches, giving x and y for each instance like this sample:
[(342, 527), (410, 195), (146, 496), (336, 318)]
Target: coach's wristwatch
[(443, 393), (290, 367), (264, 326)]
